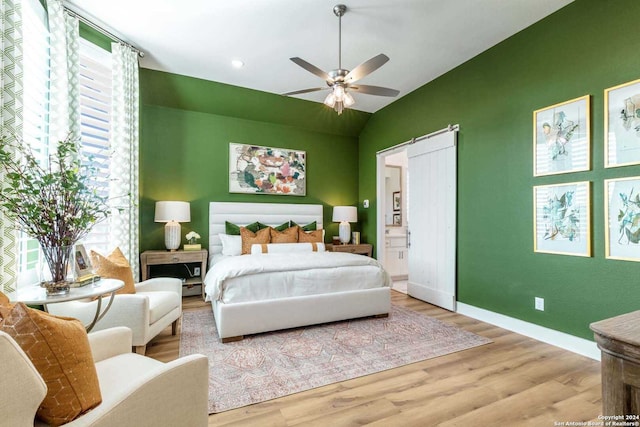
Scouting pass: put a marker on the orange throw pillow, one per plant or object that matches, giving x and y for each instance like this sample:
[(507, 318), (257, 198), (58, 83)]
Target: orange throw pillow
[(249, 238), (290, 235), (310, 236), (59, 349), (5, 306), (114, 266)]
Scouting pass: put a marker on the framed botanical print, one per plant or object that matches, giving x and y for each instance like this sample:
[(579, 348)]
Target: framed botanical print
[(562, 137), (562, 220), (622, 216), (622, 125)]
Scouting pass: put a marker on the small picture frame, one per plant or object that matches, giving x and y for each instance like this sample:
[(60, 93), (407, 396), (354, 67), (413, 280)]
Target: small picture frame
[(82, 262), (397, 200), (397, 219)]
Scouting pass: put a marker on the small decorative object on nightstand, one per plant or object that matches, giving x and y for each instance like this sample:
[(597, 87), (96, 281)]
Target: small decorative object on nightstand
[(192, 237), (361, 249)]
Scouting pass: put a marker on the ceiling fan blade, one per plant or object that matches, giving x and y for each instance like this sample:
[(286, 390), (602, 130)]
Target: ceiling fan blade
[(312, 69), (366, 67), (297, 92), (374, 90)]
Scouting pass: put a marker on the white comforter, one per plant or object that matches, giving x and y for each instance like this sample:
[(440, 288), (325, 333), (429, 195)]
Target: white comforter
[(332, 271)]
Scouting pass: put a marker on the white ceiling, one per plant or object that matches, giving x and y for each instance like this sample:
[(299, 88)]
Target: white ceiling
[(423, 38)]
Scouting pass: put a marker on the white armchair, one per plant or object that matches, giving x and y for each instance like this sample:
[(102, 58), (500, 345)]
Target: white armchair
[(136, 390), (156, 304)]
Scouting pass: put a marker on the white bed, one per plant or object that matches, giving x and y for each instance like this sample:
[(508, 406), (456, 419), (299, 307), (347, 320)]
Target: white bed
[(271, 300)]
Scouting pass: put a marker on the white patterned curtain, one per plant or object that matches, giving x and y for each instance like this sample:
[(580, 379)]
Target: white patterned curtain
[(11, 81), (64, 101), (124, 221)]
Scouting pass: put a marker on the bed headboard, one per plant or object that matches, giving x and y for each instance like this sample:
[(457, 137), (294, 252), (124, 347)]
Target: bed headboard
[(246, 213)]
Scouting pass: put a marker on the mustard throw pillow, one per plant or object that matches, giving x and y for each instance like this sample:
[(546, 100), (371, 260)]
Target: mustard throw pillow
[(249, 238), (5, 306), (310, 236), (114, 266), (59, 349), (290, 235)]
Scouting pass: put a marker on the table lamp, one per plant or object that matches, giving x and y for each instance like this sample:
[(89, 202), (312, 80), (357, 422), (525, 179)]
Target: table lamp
[(173, 213), (344, 215)]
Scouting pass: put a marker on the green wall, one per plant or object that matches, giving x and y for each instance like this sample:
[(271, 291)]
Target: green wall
[(187, 125), (582, 49)]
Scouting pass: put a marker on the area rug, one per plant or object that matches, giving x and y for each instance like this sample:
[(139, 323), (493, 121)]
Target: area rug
[(270, 365)]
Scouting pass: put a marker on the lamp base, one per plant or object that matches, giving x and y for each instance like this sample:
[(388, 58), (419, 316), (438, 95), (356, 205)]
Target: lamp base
[(344, 231), (172, 235)]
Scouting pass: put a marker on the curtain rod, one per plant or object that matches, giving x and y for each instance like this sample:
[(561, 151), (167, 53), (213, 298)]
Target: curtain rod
[(102, 30), (420, 138)]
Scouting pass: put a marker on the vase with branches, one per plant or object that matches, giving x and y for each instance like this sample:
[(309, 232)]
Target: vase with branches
[(55, 202)]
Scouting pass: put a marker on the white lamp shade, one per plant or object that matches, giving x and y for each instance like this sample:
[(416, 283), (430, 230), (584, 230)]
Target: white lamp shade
[(345, 213), (173, 211)]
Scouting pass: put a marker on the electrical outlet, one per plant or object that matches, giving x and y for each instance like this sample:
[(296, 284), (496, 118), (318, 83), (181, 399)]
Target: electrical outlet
[(539, 303), (365, 204), (196, 271)]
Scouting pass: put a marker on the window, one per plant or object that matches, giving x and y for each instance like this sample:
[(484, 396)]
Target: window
[(35, 105), (95, 113)]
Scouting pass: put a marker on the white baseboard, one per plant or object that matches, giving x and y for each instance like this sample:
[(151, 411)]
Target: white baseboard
[(559, 339)]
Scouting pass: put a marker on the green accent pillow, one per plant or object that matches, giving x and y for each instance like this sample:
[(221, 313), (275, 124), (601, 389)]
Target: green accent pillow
[(234, 230), (282, 226), (312, 226)]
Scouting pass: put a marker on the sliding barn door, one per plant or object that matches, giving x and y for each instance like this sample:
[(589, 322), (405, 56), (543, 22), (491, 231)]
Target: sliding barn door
[(432, 220)]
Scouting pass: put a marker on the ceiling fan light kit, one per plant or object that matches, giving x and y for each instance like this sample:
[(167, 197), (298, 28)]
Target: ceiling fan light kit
[(340, 81)]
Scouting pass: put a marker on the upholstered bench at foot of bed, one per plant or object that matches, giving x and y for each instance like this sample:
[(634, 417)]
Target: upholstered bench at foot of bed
[(234, 321)]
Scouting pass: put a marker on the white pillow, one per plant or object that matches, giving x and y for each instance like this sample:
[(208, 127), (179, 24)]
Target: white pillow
[(280, 248), (231, 245)]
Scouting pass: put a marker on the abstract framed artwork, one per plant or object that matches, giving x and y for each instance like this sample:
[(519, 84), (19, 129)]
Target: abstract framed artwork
[(622, 216), (397, 219), (562, 137), (622, 125), (562, 218), (265, 170)]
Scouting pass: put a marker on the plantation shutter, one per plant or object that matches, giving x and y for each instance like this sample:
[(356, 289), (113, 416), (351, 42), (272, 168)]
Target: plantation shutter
[(95, 127)]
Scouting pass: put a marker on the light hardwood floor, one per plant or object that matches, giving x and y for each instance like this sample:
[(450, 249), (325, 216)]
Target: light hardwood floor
[(515, 381)]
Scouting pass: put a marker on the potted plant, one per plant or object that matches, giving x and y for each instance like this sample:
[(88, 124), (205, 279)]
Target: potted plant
[(55, 203)]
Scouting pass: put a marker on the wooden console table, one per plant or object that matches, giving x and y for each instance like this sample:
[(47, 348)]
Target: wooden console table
[(619, 341)]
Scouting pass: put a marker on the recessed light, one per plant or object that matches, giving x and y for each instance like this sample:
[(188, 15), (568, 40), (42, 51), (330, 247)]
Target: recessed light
[(237, 63)]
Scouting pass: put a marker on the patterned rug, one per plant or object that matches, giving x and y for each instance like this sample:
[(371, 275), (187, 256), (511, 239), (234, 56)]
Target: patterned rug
[(270, 365)]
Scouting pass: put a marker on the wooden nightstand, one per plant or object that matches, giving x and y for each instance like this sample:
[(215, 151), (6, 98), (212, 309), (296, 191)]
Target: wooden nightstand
[(149, 258), (361, 249)]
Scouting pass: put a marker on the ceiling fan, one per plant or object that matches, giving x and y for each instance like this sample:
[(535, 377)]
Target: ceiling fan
[(341, 81)]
